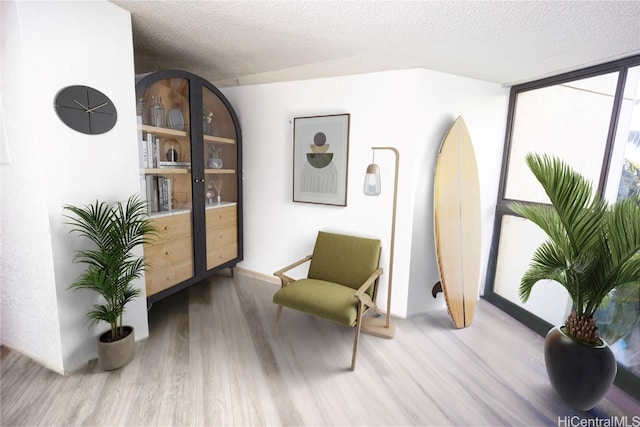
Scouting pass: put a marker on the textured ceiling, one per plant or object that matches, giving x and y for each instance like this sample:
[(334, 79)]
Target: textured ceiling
[(248, 42)]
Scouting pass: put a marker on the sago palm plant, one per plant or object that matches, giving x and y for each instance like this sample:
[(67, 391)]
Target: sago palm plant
[(111, 266), (592, 247)]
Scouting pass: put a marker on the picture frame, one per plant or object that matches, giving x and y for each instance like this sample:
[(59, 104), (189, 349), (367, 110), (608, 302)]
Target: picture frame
[(321, 159)]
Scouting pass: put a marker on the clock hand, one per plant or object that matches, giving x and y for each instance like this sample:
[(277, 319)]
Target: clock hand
[(90, 110), (81, 105)]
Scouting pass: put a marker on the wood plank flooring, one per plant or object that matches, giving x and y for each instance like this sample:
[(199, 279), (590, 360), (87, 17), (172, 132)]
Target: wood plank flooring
[(210, 360)]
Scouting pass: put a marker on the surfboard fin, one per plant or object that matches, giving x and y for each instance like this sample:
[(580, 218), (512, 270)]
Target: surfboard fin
[(437, 288)]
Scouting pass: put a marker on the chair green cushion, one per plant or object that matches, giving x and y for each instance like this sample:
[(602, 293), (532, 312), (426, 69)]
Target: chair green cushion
[(347, 260), (320, 298)]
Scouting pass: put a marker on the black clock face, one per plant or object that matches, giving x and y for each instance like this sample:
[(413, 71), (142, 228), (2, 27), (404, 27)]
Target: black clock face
[(85, 109)]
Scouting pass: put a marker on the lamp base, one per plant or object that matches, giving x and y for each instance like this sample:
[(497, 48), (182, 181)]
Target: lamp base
[(377, 326)]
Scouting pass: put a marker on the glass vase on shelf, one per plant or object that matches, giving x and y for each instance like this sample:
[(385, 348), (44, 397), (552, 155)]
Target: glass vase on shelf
[(157, 112), (217, 185)]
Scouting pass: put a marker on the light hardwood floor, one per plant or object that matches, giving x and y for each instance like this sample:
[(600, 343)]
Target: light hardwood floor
[(210, 360)]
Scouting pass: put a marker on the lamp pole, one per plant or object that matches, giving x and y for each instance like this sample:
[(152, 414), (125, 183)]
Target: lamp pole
[(372, 325)]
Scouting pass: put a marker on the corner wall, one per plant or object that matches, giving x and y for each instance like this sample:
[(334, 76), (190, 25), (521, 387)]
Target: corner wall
[(409, 109), (48, 46)]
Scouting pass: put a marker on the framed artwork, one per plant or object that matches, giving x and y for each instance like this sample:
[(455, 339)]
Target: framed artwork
[(321, 159)]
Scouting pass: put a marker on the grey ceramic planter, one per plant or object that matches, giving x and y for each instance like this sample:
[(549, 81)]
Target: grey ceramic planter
[(116, 354)]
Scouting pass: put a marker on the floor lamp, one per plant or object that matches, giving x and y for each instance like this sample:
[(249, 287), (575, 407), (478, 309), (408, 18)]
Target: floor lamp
[(374, 325)]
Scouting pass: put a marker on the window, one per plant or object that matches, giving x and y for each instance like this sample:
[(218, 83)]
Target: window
[(591, 119)]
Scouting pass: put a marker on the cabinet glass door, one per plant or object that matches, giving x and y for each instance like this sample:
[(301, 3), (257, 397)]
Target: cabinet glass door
[(165, 159), (221, 180)]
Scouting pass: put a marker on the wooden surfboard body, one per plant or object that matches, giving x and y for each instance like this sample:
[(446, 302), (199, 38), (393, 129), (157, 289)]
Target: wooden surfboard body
[(457, 223)]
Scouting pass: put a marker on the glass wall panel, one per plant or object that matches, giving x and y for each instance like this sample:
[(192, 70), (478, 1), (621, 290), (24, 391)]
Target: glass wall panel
[(570, 120), (519, 239), (619, 320), (627, 179)]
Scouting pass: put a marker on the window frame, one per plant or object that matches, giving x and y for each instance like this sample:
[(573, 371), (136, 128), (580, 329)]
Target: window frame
[(625, 379)]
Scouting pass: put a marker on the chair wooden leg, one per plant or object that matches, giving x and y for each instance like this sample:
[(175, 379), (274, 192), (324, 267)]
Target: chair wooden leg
[(356, 339), (276, 326)]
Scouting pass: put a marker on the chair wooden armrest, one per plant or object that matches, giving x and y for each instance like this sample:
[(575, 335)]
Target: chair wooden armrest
[(286, 279), (376, 274)]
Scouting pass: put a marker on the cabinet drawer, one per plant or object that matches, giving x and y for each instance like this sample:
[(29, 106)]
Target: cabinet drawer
[(172, 226), (221, 255), (221, 216), (221, 236), (168, 263), (159, 279), (169, 252)]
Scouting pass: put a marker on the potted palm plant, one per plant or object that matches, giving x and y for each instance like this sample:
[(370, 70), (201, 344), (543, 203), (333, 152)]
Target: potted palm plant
[(115, 231), (593, 249)]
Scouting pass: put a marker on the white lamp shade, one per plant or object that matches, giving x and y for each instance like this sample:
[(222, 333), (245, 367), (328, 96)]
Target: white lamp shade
[(372, 180)]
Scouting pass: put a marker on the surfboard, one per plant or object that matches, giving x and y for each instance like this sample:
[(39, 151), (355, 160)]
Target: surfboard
[(457, 223)]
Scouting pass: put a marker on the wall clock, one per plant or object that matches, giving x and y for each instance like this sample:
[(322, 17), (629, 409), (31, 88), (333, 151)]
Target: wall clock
[(85, 109)]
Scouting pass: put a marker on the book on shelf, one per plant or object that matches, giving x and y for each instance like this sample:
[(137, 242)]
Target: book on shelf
[(164, 193), (165, 164), (148, 155), (144, 162), (152, 193), (151, 151), (159, 190), (156, 151)]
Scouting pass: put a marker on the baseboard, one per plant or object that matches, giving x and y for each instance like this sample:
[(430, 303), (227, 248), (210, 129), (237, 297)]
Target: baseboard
[(256, 275)]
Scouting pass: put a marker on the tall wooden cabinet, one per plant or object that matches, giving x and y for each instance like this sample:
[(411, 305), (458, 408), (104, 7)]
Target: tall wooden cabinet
[(190, 147)]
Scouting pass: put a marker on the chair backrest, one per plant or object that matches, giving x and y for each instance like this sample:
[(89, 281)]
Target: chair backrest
[(347, 260)]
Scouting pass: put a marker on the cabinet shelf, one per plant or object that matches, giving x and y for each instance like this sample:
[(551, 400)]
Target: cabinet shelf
[(172, 212), (182, 171), (219, 171), (167, 171), (218, 139), (164, 132)]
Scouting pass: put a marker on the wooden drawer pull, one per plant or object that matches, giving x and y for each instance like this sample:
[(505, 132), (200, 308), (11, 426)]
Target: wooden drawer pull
[(167, 253)]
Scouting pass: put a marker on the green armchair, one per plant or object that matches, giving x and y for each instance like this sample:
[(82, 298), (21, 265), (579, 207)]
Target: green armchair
[(341, 284)]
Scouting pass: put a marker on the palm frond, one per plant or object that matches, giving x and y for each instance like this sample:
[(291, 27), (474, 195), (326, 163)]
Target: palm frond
[(592, 248), (571, 196), (111, 266), (548, 263)]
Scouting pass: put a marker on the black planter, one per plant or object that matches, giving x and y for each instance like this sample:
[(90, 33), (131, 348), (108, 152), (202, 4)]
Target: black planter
[(580, 374)]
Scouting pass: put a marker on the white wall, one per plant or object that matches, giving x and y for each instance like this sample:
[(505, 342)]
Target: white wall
[(411, 110), (29, 310), (48, 46)]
